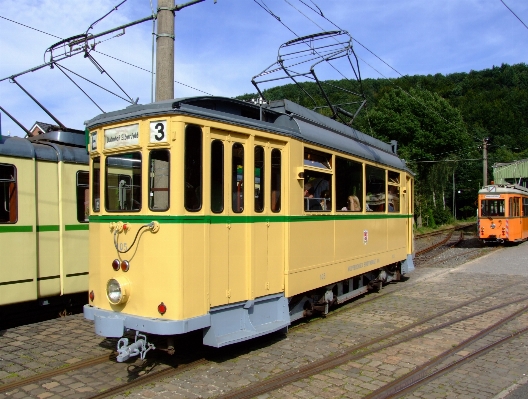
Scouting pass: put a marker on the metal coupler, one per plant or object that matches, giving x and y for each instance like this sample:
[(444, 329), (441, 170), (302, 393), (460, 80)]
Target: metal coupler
[(139, 347)]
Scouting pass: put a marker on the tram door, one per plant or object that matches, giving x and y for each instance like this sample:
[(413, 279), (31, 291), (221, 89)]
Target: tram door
[(267, 246), (409, 210), (228, 272)]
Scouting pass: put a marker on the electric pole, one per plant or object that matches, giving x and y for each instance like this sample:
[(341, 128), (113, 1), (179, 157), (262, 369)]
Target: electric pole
[(165, 51), (485, 160)]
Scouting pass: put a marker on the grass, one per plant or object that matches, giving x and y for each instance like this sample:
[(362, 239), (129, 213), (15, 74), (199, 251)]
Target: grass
[(426, 229)]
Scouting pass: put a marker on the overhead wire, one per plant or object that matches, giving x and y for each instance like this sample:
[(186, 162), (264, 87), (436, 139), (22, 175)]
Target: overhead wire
[(389, 79), (320, 12), (99, 52), (505, 5)]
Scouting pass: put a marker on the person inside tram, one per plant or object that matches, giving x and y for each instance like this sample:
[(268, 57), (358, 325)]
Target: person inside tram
[(352, 204), (310, 203)]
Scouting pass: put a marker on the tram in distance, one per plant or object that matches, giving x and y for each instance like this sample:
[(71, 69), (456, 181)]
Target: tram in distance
[(503, 213), (219, 215), (43, 218)]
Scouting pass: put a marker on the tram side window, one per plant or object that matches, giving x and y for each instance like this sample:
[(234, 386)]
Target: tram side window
[(515, 206), (493, 207), (217, 176), (275, 180), (159, 179), (8, 194), (317, 185), (96, 184), (375, 186), (123, 182), (349, 185), (237, 177), (259, 179), (83, 196), (525, 207), (193, 168), (317, 191), (393, 192)]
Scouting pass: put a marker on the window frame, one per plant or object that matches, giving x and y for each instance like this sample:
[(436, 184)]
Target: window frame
[(152, 189), (107, 197), (189, 188), (13, 198), (85, 205)]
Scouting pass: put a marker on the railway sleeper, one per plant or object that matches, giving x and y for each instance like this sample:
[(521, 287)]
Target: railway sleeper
[(320, 300)]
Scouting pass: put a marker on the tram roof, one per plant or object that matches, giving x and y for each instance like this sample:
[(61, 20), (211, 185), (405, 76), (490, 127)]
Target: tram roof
[(46, 151), (503, 189), (282, 117)]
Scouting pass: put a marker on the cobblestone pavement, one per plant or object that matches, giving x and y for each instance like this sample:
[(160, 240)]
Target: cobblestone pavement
[(36, 348)]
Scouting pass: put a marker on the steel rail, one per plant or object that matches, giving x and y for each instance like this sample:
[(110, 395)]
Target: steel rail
[(148, 378), (356, 352), (52, 373), (421, 375)]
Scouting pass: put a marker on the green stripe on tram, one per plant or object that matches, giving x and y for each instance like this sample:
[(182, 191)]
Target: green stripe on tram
[(16, 229), (76, 227), (42, 228), (213, 219), (47, 227)]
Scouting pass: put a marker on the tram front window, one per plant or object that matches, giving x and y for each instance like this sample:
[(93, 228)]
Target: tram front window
[(123, 182), (492, 207)]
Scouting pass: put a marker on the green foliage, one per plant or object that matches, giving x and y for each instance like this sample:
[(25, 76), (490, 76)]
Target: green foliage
[(437, 118)]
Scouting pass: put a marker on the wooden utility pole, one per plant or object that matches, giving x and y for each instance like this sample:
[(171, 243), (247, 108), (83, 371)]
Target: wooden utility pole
[(165, 51)]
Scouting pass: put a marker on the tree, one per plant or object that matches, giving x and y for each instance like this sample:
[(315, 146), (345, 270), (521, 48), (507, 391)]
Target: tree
[(427, 128)]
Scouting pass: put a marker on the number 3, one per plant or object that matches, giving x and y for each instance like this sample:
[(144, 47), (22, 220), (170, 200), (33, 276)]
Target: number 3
[(159, 127)]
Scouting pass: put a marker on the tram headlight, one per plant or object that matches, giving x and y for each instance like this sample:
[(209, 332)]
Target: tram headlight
[(117, 291)]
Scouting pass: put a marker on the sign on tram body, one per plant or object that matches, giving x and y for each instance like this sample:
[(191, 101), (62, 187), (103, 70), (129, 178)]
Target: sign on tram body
[(122, 136)]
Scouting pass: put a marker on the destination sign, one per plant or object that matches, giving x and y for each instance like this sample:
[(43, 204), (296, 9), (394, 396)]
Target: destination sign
[(492, 196), (121, 136)]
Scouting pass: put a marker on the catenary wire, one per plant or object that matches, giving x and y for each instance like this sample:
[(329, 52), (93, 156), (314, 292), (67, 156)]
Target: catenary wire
[(106, 55), (388, 79), (514, 14)]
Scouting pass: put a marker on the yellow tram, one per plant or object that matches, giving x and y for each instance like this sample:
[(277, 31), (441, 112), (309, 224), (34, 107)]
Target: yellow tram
[(43, 217), (219, 215)]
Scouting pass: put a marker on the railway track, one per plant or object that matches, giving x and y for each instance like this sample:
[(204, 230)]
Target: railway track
[(411, 331), (376, 345)]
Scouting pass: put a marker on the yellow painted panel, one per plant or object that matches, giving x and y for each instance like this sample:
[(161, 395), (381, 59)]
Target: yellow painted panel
[(238, 264), (312, 243), (48, 263), (310, 278), (260, 254), (75, 260), (18, 256), (48, 198), (17, 266), (194, 282), (377, 236), (155, 269), (395, 238), (276, 257), (219, 264), (349, 239)]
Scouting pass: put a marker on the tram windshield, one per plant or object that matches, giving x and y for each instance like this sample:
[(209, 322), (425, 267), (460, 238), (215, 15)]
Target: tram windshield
[(123, 182), (493, 207)]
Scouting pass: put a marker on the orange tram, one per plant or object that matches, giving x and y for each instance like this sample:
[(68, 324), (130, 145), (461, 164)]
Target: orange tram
[(503, 213)]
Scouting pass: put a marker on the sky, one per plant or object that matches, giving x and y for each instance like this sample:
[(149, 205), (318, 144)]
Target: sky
[(220, 47)]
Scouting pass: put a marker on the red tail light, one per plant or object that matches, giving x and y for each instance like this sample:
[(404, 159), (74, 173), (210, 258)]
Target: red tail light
[(162, 309), (125, 265), (92, 296)]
